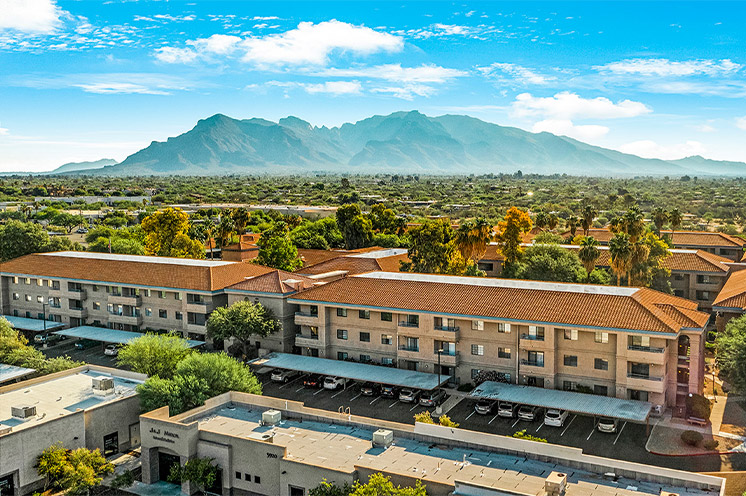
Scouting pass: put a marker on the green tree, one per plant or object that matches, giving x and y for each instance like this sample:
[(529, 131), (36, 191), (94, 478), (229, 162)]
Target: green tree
[(166, 235), (472, 238), (345, 214), (660, 217), (431, 248), (277, 250), (241, 218), (620, 250), (509, 230), (381, 485), (675, 218), (587, 215), (198, 471), (731, 352), (154, 354), (21, 238), (572, 224), (547, 263), (118, 245), (589, 253), (358, 232), (242, 321), (14, 350), (73, 472), (385, 221), (326, 488)]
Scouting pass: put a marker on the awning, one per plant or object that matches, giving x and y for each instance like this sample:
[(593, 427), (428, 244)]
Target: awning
[(584, 404), (10, 372), (106, 335), (36, 325), (352, 370)]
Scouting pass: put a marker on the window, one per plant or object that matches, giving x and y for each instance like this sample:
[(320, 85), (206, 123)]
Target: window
[(247, 477), (634, 394), (179, 316), (257, 479), (678, 292), (163, 313), (411, 344), (601, 364), (410, 321), (111, 444), (703, 279), (238, 475), (96, 305), (365, 337), (386, 316), (341, 334), (16, 296), (571, 361), (638, 342), (475, 373), (536, 333), (364, 358), (477, 325), (39, 299), (569, 385), (477, 349), (341, 312), (503, 353), (40, 315), (40, 282), (639, 370), (296, 491), (602, 337), (28, 315), (503, 328), (600, 390), (571, 334), (485, 266), (27, 280), (148, 312), (387, 361), (445, 324), (95, 287), (177, 296), (28, 297), (387, 339), (15, 279), (703, 295), (15, 313), (162, 294), (363, 314), (341, 355), (314, 332)]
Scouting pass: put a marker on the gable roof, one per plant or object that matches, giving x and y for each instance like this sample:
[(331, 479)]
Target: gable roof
[(164, 272), (358, 262), (635, 309), (733, 294), (276, 281), (680, 238)]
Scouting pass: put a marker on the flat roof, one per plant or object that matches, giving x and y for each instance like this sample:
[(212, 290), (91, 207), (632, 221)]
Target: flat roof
[(26, 324), (58, 396), (137, 258), (388, 252), (587, 404), (107, 335), (352, 370), (10, 372)]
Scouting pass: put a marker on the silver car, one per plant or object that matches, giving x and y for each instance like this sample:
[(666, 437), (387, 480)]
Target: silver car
[(432, 398), (409, 395), (607, 424)]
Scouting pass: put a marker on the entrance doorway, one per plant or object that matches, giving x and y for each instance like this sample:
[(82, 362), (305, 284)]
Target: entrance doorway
[(165, 462), (111, 444), (7, 486)]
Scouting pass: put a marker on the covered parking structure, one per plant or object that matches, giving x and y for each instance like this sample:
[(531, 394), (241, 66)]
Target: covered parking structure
[(110, 336), (352, 370), (10, 373), (32, 325), (580, 403)]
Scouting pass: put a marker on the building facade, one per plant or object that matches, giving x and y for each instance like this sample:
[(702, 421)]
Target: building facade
[(632, 343)]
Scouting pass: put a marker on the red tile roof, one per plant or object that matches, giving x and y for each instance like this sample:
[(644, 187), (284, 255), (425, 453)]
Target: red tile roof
[(276, 281), (680, 238), (733, 294)]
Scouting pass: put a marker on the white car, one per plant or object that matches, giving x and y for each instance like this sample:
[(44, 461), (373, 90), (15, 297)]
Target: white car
[(506, 409), (555, 417), (528, 412), (334, 382), (111, 350), (607, 424), (280, 375)]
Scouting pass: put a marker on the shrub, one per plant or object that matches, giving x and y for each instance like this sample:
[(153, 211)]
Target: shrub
[(125, 479), (710, 444), (692, 438), (446, 421), (522, 435), (698, 406), (424, 418)]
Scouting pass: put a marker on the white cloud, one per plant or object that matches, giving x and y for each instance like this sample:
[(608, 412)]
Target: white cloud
[(565, 127), (308, 44), (741, 123), (671, 68), (4, 131), (116, 88), (267, 18), (566, 105), (706, 128), (406, 91), (30, 16), (439, 30), (426, 73), (335, 88), (651, 149), (521, 74)]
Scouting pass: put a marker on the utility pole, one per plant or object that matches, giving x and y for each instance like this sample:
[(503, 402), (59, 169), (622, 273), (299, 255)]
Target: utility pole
[(440, 351)]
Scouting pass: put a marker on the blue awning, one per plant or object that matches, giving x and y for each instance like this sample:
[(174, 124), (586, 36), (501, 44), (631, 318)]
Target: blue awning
[(36, 325), (106, 335), (584, 404), (352, 370)]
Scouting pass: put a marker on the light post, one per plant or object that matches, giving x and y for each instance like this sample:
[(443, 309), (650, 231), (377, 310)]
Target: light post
[(440, 351), (44, 315)]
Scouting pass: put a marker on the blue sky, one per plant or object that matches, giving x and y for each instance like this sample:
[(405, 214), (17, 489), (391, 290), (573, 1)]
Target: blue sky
[(82, 80)]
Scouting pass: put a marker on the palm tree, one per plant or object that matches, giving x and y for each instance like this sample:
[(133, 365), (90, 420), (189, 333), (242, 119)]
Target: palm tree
[(241, 218), (552, 221), (660, 217), (589, 253), (616, 224), (464, 241), (620, 250), (225, 231), (634, 223), (587, 215), (541, 220), (572, 223), (482, 236), (209, 230), (674, 217), (637, 259), (472, 238)]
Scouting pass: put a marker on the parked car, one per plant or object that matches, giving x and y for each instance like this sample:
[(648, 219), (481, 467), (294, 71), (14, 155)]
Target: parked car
[(607, 424), (314, 381), (83, 344), (507, 409), (280, 375), (432, 398), (47, 338), (111, 350), (390, 391), (370, 389), (555, 417), (409, 395), (485, 407), (528, 412), (82, 230), (334, 382)]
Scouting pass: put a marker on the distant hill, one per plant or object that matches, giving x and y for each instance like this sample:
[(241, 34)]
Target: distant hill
[(403, 142), (82, 166)]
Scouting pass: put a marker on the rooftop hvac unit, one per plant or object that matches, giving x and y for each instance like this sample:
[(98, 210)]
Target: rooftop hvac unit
[(271, 417), (23, 412), (383, 438), (103, 385), (267, 437), (555, 484), (5, 429)]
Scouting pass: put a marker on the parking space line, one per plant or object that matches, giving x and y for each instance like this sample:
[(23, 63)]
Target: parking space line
[(338, 393), (568, 425), (469, 416), (493, 418), (394, 403), (415, 406), (515, 423), (375, 399), (620, 433), (540, 426), (317, 392), (356, 397), (300, 389), (592, 431)]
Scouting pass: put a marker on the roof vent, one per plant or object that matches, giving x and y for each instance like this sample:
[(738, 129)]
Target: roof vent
[(271, 417), (666, 493), (23, 412), (5, 429), (555, 484), (383, 438), (103, 385), (266, 437)]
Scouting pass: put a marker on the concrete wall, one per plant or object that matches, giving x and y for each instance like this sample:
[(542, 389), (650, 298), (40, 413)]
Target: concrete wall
[(111, 417)]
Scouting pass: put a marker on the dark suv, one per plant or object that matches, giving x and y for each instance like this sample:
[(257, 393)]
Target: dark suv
[(390, 391), (370, 389)]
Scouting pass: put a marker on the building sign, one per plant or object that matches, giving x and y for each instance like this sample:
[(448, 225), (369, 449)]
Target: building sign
[(166, 436)]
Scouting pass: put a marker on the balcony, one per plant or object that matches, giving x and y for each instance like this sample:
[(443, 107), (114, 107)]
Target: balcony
[(77, 294), (309, 319), (409, 352), (196, 307), (646, 354), (196, 328), (131, 300), (80, 313), (135, 320), (532, 363), (448, 359), (305, 340), (533, 342), (404, 323), (644, 382)]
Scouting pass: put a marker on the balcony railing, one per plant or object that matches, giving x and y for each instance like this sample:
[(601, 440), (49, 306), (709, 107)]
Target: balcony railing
[(648, 349), (532, 363), (533, 337), (307, 336), (304, 314), (404, 347), (446, 328), (404, 323), (645, 377), (447, 353)]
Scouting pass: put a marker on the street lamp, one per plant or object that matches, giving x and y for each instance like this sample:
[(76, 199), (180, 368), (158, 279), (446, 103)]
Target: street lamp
[(440, 351)]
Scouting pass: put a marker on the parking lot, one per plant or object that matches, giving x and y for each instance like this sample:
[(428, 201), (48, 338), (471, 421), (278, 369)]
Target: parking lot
[(94, 354)]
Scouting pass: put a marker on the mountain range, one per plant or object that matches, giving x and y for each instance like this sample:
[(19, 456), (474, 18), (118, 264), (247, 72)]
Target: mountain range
[(402, 143)]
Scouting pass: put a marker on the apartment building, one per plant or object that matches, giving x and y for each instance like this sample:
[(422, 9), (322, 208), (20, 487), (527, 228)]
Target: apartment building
[(731, 300), (86, 407), (135, 293), (269, 446), (632, 343)]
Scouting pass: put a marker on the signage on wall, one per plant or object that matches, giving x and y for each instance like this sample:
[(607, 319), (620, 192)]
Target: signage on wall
[(167, 436)]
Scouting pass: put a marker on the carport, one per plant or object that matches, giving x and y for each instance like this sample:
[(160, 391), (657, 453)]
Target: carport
[(579, 403), (11, 372), (32, 325), (110, 336), (351, 370)]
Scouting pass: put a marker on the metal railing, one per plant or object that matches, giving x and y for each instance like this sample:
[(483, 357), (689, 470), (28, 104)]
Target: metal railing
[(648, 349), (306, 336), (446, 328), (533, 337), (404, 323), (304, 314), (403, 347), (632, 375), (532, 363)]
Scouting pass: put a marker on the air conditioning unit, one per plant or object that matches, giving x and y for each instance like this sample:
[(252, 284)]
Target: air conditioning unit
[(666, 493), (265, 437), (555, 484), (271, 417), (5, 429), (103, 385), (383, 438), (23, 412)]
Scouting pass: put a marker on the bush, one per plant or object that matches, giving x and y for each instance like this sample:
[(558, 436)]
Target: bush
[(125, 479), (692, 438), (522, 435), (710, 444), (698, 406), (446, 421), (424, 418)]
